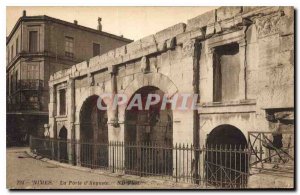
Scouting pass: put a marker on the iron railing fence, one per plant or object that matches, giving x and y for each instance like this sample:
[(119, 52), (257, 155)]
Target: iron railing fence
[(226, 166), (269, 151), (213, 166)]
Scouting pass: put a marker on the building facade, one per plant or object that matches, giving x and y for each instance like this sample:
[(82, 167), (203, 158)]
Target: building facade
[(37, 47), (239, 60)]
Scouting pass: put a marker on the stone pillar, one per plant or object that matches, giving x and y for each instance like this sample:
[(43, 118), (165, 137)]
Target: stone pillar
[(52, 111), (77, 145), (182, 134), (70, 96), (115, 127), (117, 134), (210, 65), (242, 76), (57, 102), (114, 89)]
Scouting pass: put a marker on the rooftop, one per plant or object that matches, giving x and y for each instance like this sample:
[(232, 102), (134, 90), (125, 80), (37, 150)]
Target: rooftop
[(48, 18)]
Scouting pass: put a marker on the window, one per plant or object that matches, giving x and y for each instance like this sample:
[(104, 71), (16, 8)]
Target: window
[(16, 80), (17, 46), (62, 102), (32, 71), (33, 41), (69, 47), (11, 83), (226, 69), (96, 49), (12, 52), (8, 55), (33, 98), (7, 85)]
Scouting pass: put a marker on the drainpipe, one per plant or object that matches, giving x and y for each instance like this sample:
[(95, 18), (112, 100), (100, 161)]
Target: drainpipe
[(196, 75)]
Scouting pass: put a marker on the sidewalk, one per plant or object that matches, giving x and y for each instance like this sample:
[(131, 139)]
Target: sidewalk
[(28, 171)]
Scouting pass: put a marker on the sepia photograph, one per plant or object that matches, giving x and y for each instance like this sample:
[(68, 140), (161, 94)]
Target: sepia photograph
[(150, 97)]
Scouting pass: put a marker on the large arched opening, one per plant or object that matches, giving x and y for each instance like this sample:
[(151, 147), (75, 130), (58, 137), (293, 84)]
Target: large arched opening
[(148, 136), (226, 157), (93, 134)]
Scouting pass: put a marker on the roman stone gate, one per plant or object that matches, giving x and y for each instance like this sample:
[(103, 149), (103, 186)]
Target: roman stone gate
[(225, 56)]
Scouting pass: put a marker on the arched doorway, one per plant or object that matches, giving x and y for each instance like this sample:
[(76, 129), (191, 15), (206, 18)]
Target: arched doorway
[(226, 157), (93, 134), (148, 137), (63, 147)]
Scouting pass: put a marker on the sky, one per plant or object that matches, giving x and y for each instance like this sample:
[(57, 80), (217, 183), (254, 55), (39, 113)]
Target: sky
[(131, 22)]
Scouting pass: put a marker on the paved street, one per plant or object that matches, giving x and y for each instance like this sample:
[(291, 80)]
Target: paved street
[(25, 172)]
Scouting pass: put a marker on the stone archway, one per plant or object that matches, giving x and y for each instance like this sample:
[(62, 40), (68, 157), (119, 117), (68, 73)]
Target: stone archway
[(141, 80), (226, 161), (149, 137), (226, 135), (158, 80), (93, 134)]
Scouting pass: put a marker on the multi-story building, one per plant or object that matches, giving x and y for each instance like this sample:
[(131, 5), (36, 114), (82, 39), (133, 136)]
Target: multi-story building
[(37, 47)]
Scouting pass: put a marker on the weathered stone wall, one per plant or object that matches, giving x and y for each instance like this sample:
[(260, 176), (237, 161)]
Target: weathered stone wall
[(266, 54), (169, 58), (93, 77), (267, 78)]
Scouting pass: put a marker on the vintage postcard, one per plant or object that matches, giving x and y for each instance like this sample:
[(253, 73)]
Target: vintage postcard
[(150, 97)]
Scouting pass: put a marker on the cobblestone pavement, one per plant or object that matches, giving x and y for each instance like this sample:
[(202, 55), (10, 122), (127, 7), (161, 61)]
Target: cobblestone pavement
[(25, 172)]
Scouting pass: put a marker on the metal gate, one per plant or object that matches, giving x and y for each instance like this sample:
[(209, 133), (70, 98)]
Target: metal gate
[(146, 157), (226, 166), (271, 149)]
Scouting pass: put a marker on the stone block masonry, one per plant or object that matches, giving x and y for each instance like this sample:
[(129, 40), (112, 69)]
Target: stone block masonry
[(239, 58)]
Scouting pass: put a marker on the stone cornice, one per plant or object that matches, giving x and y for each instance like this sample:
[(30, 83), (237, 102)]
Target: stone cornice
[(226, 24)]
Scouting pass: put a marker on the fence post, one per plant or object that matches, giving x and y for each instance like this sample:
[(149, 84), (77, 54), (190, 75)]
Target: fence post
[(30, 142), (261, 151), (196, 164), (176, 174), (58, 151), (113, 159), (201, 164), (52, 149), (78, 153)]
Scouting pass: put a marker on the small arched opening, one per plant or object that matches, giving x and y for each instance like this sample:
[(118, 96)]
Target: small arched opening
[(63, 146), (226, 157)]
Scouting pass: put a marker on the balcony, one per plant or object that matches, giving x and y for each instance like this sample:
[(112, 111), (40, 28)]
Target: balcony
[(30, 84), (24, 106), (25, 95)]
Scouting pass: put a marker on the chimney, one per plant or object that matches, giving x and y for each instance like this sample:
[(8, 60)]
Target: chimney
[(99, 24), (24, 13), (75, 22)]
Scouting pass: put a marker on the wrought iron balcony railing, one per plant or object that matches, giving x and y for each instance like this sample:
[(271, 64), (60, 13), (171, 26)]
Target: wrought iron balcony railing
[(25, 95), (28, 106), (30, 84)]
